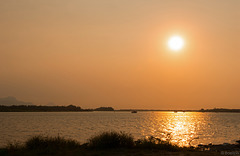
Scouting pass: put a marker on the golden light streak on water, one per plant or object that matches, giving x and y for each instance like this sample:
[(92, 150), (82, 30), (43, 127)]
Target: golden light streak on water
[(180, 128)]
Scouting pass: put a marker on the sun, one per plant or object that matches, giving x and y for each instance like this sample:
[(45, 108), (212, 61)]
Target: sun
[(176, 43)]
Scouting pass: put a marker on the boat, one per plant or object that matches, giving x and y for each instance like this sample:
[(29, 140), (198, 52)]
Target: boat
[(134, 111)]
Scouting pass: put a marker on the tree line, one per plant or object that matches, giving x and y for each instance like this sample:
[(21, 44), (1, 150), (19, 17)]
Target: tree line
[(34, 108)]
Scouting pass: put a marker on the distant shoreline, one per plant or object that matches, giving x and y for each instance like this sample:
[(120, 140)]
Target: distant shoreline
[(72, 108)]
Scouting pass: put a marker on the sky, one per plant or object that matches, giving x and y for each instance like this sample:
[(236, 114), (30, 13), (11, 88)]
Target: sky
[(94, 53)]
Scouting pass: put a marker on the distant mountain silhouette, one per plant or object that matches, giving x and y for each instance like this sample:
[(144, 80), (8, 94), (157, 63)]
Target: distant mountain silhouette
[(9, 101)]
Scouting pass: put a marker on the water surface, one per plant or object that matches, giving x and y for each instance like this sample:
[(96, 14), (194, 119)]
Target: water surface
[(181, 128)]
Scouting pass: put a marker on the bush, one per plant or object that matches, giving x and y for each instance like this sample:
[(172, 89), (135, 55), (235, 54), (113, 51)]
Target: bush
[(156, 143), (41, 142), (111, 140)]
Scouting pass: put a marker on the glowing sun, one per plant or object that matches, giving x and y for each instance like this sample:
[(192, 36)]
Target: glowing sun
[(176, 43)]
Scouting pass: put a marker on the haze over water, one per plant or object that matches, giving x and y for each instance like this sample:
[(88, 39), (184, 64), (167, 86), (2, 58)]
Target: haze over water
[(180, 127)]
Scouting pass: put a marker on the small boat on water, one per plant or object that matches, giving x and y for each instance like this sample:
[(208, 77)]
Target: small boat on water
[(134, 111)]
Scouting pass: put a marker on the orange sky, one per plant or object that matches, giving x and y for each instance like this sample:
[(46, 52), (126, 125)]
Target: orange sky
[(96, 53)]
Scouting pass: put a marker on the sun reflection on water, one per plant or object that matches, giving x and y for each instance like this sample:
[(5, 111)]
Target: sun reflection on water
[(180, 128)]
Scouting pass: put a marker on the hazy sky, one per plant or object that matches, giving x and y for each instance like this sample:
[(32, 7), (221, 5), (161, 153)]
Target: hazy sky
[(96, 53)]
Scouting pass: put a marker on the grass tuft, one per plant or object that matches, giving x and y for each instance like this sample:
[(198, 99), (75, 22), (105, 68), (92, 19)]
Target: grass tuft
[(156, 143), (54, 143), (111, 140)]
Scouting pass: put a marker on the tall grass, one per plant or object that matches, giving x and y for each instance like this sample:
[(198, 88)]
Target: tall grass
[(111, 140), (45, 145), (156, 143), (45, 142)]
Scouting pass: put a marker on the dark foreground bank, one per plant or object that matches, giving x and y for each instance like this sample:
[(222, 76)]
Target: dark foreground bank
[(106, 143)]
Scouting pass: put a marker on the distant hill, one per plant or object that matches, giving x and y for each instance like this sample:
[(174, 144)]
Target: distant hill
[(9, 101)]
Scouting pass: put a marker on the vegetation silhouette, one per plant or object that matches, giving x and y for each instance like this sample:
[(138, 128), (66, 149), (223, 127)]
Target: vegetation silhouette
[(106, 143), (111, 140), (34, 108)]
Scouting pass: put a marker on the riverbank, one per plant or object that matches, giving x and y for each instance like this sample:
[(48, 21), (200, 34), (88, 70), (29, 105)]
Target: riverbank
[(109, 152), (107, 144)]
